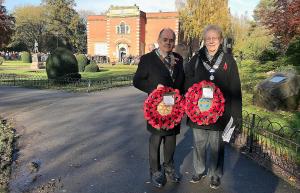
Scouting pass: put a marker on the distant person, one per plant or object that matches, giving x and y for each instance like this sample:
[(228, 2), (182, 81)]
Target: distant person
[(161, 67), (212, 64)]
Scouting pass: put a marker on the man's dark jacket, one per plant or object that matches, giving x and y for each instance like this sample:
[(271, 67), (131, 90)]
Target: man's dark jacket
[(226, 78), (151, 72)]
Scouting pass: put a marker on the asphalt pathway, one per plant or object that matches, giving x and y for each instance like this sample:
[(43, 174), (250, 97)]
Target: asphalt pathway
[(97, 143)]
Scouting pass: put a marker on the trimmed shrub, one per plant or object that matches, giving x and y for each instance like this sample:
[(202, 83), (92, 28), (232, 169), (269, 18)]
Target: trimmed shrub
[(26, 57), (62, 64), (91, 68), (268, 55), (293, 52), (82, 62), (93, 62), (1, 60)]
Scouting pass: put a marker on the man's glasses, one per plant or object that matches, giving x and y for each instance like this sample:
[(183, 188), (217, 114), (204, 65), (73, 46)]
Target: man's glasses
[(168, 40)]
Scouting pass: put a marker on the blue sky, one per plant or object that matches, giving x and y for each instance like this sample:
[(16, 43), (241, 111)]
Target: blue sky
[(237, 6)]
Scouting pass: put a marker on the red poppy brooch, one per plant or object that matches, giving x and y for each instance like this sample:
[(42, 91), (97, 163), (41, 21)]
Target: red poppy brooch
[(159, 113), (225, 66), (201, 109)]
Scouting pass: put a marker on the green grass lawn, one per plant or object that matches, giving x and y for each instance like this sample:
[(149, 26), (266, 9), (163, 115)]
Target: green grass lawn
[(106, 70)]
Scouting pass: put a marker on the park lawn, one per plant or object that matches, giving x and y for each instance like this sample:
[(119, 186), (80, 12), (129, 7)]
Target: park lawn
[(106, 70), (14, 64), (20, 68)]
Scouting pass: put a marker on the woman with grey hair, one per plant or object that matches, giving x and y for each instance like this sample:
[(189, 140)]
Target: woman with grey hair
[(215, 66)]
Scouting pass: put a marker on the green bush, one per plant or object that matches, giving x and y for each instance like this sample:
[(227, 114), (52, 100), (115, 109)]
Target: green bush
[(1, 60), (293, 52), (62, 64), (82, 62), (91, 68), (26, 57), (268, 55), (93, 62), (272, 65), (288, 68)]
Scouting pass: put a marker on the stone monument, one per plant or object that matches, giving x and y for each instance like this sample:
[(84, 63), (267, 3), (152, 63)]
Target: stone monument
[(279, 92), (37, 62)]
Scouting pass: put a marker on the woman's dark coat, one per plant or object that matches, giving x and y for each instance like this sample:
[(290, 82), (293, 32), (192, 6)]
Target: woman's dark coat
[(151, 72), (226, 78)]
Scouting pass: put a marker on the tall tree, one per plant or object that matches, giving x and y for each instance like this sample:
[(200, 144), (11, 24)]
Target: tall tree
[(281, 17), (198, 13), (30, 27), (6, 25), (64, 21), (250, 38)]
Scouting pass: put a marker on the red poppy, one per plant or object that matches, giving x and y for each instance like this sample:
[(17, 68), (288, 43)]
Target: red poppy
[(225, 66), (215, 110), (161, 116)]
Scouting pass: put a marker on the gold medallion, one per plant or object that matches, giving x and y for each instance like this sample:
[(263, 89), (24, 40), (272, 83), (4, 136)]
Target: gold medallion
[(163, 109)]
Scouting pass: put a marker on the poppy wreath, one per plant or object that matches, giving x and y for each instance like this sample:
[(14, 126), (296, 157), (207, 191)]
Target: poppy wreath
[(161, 116), (192, 109)]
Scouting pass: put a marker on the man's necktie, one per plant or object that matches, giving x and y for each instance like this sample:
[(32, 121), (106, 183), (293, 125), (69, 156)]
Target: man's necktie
[(168, 65), (168, 60)]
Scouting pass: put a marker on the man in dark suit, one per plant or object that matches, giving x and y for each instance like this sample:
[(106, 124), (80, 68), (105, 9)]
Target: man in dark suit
[(161, 67)]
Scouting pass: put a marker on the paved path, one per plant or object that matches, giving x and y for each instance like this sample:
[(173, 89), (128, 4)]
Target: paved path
[(97, 143)]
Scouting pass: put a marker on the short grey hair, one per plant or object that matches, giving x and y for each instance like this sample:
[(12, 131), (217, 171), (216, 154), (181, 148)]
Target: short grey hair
[(215, 28), (165, 29)]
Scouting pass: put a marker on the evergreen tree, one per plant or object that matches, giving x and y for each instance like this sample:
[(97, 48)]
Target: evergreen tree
[(6, 25), (64, 21)]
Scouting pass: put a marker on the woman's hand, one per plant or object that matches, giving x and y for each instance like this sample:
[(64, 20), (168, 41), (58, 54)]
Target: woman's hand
[(159, 86)]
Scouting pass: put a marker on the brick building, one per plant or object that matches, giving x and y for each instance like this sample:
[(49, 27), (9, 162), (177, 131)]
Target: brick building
[(127, 31)]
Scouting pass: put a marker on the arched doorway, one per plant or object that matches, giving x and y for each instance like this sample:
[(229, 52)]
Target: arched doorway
[(122, 54), (122, 51)]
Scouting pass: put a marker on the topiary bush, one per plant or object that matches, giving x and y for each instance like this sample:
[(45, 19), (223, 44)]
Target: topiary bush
[(1, 60), (92, 68), (62, 64), (82, 62), (26, 57)]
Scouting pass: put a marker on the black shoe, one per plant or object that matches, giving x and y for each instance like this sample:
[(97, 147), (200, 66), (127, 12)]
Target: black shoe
[(171, 174), (158, 179), (196, 178), (215, 182)]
